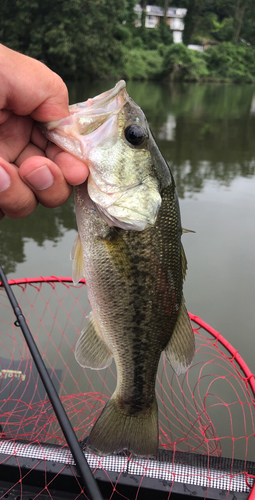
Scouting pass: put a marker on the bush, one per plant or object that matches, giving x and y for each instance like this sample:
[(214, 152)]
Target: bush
[(181, 63), (224, 62), (152, 38), (231, 62), (142, 64)]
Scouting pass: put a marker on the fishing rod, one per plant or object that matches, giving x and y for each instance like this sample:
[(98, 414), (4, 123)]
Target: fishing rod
[(88, 480)]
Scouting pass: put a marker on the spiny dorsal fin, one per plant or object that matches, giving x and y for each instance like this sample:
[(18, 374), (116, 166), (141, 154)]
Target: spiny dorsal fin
[(181, 346), (91, 351)]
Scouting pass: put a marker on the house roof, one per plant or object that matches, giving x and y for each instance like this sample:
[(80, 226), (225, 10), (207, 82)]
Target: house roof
[(154, 10)]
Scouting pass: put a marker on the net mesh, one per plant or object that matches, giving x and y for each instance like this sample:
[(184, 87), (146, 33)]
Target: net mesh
[(208, 412)]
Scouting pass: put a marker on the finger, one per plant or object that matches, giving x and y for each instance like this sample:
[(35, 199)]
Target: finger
[(75, 171), (16, 199), (37, 90), (38, 138), (29, 151), (46, 180), (14, 136)]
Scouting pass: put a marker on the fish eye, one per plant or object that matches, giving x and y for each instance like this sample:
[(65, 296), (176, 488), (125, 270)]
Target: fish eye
[(135, 134)]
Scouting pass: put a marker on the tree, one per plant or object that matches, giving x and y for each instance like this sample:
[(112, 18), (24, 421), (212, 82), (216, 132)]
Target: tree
[(130, 14), (143, 18), (241, 5), (248, 25), (76, 38), (195, 8)]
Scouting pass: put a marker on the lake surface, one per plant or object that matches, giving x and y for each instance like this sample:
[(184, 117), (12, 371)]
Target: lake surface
[(207, 135)]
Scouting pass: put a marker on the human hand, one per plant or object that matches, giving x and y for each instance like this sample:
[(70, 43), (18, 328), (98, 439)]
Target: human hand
[(32, 170)]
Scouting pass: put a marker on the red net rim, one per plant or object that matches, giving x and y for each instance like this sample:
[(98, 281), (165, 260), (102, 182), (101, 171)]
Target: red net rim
[(234, 353)]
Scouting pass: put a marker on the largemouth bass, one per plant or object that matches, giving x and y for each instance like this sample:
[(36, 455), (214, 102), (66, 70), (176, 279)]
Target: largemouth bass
[(129, 251)]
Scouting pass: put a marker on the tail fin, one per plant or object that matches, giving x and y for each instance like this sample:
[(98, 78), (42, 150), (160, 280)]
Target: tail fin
[(115, 430)]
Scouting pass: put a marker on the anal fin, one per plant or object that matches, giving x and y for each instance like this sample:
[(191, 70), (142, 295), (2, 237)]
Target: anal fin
[(91, 351), (181, 346)]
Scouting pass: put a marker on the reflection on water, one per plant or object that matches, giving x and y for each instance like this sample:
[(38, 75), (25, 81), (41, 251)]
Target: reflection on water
[(205, 132), (41, 225)]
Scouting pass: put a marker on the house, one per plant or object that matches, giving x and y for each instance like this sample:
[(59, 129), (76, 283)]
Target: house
[(174, 19)]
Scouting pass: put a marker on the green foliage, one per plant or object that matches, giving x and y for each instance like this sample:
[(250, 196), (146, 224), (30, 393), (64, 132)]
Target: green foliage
[(74, 37), (224, 31), (222, 20), (181, 63), (130, 15), (209, 27), (194, 10), (224, 62), (153, 38), (123, 34), (150, 37), (166, 33), (142, 64), (248, 28), (228, 62), (85, 39)]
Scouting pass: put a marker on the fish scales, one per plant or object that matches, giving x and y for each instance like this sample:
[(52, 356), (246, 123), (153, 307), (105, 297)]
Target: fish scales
[(129, 251)]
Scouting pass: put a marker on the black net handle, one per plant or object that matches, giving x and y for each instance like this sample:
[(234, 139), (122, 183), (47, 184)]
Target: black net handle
[(88, 480)]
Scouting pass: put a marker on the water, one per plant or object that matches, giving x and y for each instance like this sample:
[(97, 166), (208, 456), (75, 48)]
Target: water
[(207, 135)]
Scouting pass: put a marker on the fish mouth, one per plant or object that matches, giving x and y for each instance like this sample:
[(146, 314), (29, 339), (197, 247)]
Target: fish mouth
[(105, 101), (89, 115), (85, 119)]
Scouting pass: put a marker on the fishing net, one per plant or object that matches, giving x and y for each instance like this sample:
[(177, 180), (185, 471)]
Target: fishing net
[(206, 417)]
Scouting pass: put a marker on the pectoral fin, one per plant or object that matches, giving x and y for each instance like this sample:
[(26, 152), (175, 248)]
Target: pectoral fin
[(91, 351), (76, 255), (181, 346)]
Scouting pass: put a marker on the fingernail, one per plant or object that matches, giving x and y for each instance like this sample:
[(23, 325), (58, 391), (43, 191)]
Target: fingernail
[(41, 178), (5, 179)]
